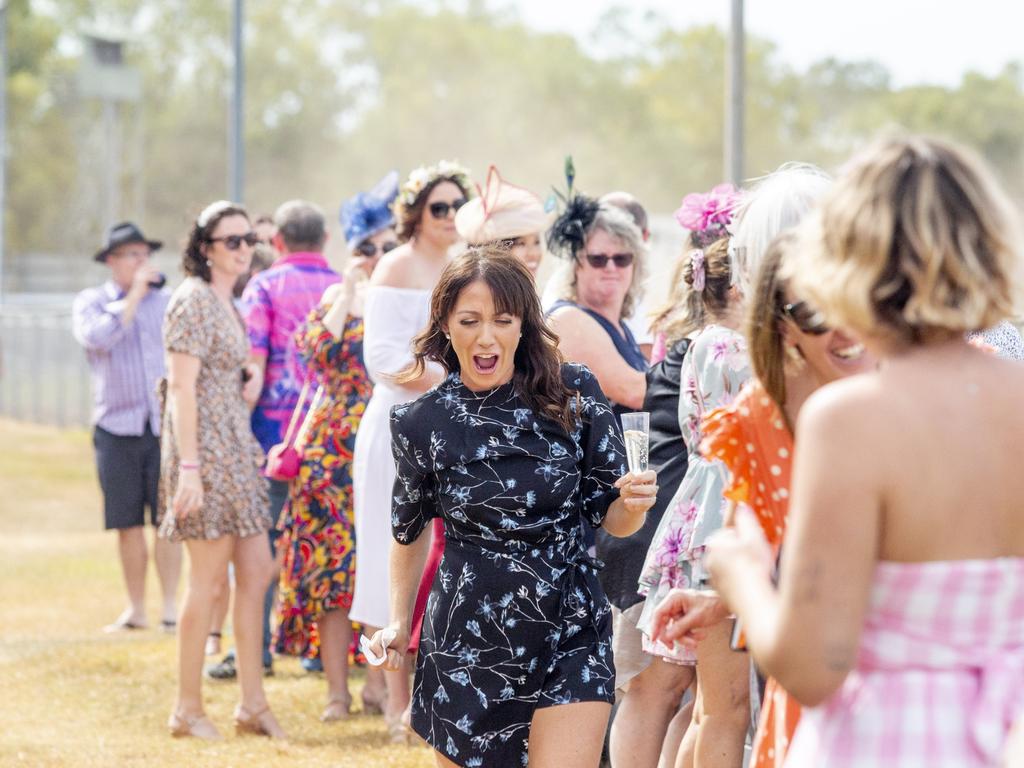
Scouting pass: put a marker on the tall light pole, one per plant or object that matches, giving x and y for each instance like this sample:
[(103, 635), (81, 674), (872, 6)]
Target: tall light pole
[(3, 135), (236, 137), (734, 97)]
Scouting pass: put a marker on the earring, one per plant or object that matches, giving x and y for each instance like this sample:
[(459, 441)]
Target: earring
[(448, 336), (209, 263), (795, 361)]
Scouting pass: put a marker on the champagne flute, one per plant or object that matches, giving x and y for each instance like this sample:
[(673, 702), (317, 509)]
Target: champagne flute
[(636, 432)]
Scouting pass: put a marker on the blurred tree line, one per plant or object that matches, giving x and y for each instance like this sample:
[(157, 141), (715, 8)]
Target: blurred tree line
[(340, 91)]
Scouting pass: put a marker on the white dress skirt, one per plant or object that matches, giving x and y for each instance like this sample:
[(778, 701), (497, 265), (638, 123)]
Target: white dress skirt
[(391, 318)]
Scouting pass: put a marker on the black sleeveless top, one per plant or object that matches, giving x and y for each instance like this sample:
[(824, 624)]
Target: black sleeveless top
[(624, 557)]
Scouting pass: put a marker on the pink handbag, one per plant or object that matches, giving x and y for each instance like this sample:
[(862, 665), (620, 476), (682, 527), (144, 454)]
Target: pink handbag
[(284, 459)]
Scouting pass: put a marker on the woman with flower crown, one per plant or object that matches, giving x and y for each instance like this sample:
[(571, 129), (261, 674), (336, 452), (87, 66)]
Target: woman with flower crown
[(396, 309)]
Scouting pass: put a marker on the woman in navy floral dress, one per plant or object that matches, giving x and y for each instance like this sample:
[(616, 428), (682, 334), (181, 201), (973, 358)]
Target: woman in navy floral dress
[(515, 452)]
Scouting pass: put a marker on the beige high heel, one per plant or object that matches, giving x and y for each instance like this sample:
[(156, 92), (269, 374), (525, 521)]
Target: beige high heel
[(197, 726), (262, 723)]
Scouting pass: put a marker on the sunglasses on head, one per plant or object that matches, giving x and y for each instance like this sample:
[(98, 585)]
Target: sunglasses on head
[(805, 318), (234, 242), (600, 260), (369, 250), (440, 210)]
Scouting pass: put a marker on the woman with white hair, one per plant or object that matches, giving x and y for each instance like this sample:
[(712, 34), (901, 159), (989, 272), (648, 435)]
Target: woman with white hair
[(774, 204), (507, 217), (608, 257)]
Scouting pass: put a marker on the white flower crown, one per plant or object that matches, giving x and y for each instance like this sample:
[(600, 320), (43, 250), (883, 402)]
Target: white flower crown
[(423, 176)]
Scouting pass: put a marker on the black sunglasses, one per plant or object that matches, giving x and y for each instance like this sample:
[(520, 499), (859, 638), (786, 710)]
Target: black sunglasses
[(600, 260), (805, 318), (369, 250), (234, 242), (440, 210)]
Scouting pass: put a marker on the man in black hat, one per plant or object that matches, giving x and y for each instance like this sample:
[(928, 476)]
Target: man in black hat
[(119, 324)]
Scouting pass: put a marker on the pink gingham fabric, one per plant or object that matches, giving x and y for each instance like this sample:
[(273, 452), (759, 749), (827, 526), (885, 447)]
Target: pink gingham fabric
[(939, 679)]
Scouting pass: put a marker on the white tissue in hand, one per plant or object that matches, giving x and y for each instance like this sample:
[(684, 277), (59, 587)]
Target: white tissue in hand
[(386, 636)]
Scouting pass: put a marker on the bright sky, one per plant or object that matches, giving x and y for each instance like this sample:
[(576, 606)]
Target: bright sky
[(930, 41)]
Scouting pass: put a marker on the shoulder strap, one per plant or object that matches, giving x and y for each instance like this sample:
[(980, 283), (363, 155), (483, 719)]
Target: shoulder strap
[(288, 435)]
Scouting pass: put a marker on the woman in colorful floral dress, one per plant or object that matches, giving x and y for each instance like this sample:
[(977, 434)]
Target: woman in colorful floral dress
[(318, 573)]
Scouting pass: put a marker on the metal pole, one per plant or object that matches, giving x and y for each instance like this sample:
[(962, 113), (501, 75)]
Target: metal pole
[(236, 137), (734, 97), (3, 135), (112, 194)]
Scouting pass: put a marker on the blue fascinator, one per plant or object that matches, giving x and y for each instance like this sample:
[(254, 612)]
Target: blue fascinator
[(368, 213)]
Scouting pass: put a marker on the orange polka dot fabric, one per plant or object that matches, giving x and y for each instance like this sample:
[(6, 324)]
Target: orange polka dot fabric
[(751, 439)]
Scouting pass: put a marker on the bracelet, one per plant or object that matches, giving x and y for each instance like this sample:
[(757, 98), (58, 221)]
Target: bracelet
[(185, 466)]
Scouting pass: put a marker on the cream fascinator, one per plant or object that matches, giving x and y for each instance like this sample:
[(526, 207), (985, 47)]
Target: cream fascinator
[(502, 211)]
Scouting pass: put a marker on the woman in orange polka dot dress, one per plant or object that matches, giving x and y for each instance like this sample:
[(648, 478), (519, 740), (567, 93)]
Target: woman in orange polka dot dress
[(792, 354)]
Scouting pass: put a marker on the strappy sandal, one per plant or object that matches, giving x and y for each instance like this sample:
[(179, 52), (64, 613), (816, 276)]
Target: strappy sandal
[(400, 731), (372, 705), (197, 726), (337, 709), (261, 723)]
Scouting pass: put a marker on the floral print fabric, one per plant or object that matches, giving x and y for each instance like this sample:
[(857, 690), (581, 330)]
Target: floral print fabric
[(317, 524), (714, 369), (235, 499), (516, 618)]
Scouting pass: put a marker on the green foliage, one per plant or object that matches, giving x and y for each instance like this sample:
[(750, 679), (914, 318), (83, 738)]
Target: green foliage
[(341, 91)]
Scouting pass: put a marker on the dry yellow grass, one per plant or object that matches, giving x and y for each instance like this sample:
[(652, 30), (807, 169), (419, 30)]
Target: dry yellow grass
[(72, 696)]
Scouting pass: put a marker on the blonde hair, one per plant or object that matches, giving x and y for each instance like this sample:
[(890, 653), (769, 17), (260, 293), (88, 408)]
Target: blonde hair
[(619, 224), (765, 342), (915, 243), (688, 309)]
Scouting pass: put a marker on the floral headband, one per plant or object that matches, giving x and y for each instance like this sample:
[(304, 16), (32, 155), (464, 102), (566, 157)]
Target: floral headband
[(424, 176), (709, 215)]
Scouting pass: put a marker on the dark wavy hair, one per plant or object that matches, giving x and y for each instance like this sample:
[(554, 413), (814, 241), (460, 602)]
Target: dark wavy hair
[(408, 217), (537, 377), (193, 261)]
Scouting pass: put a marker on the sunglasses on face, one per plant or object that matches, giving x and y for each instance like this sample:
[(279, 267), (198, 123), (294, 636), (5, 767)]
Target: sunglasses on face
[(234, 242), (600, 260), (369, 250), (807, 319), (440, 210)]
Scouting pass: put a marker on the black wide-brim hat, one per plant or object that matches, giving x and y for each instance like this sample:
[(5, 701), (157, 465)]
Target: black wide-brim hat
[(122, 234)]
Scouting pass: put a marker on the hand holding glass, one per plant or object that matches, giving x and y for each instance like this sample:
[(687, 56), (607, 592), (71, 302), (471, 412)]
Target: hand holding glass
[(636, 431)]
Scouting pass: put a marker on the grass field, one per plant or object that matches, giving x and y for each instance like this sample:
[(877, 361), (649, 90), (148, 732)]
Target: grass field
[(73, 696)]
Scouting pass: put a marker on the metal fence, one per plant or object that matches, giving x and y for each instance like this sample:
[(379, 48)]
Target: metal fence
[(44, 378)]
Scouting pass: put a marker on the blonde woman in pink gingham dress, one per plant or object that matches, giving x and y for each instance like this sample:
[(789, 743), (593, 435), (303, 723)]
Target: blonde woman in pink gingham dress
[(898, 621)]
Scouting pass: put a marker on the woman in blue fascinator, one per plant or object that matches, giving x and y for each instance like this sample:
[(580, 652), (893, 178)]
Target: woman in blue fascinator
[(318, 573)]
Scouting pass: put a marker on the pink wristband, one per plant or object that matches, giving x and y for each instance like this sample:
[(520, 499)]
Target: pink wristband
[(187, 465)]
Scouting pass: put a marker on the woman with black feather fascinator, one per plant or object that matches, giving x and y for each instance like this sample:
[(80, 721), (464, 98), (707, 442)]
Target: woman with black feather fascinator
[(607, 265)]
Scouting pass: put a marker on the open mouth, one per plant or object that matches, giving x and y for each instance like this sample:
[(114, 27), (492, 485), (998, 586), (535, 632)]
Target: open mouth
[(848, 353), (485, 364)]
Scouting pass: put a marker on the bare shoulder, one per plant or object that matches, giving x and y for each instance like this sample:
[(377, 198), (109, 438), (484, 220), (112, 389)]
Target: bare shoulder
[(572, 319), (394, 269), (853, 407)]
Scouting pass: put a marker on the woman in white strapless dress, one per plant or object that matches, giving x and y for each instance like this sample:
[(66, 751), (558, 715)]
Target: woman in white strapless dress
[(397, 307)]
